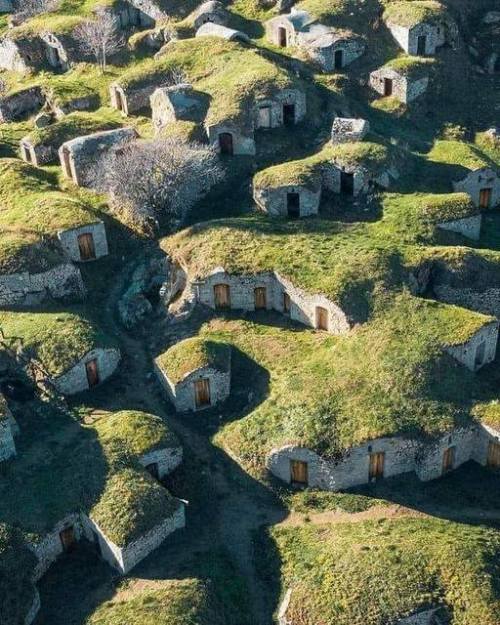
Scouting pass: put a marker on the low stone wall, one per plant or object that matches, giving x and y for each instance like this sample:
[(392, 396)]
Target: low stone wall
[(475, 181), (487, 302), (182, 394), (69, 240), (273, 200), (302, 305), (167, 459), (37, 154), (63, 282), (400, 456), (75, 379), (469, 227)]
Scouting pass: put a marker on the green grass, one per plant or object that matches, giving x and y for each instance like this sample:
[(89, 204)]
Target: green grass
[(412, 67), (372, 573), (312, 501), (192, 354), (411, 12)]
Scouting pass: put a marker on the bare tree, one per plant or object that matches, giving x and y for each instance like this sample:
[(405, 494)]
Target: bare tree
[(99, 37), (157, 182)]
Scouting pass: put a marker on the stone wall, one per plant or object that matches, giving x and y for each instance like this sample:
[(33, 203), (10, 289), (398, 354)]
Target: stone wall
[(37, 155), (243, 145), (424, 617), (273, 200), (401, 456), (131, 100), (469, 227), (34, 608), (346, 129), (20, 104), (325, 56), (167, 459), (151, 9), (63, 282), (302, 305), (182, 394), (472, 184), (69, 240), (7, 444), (469, 353), (403, 88), (486, 302), (407, 37), (276, 104), (75, 379), (21, 55)]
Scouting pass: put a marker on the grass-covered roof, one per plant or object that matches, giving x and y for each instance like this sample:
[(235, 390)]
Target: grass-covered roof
[(488, 413), (191, 354), (412, 12), (138, 431), (464, 156), (379, 572), (24, 250), (413, 67), (132, 504), (57, 339)]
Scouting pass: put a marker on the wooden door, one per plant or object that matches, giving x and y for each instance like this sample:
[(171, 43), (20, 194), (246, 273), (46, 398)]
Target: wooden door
[(222, 296), (226, 143), (338, 60), (421, 45), (153, 470), (286, 303), (293, 205), (346, 183), (67, 537), (321, 318), (86, 246), (260, 298), (485, 198), (377, 461), (282, 38), (493, 455), (202, 392), (92, 373), (264, 120), (388, 86), (448, 459), (298, 472), (288, 114)]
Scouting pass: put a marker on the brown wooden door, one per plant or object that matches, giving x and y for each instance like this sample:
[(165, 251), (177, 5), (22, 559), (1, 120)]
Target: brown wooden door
[(282, 39), (321, 318), (202, 392), (493, 455), (448, 459), (377, 461), (286, 303), (298, 472), (226, 143), (86, 246), (222, 296), (388, 86), (67, 537), (260, 298), (153, 470), (92, 373), (485, 198)]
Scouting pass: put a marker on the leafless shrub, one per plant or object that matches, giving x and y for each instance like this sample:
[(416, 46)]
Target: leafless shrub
[(3, 87), (99, 37), (156, 182)]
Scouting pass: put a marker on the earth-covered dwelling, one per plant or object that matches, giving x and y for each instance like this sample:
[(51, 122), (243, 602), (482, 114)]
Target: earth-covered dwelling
[(63, 350), (420, 27), (469, 171), (231, 138), (130, 99), (79, 156), (195, 373), (331, 48), (209, 29), (404, 78), (209, 12), (288, 190), (284, 108), (41, 145), (20, 103), (178, 102), (346, 129)]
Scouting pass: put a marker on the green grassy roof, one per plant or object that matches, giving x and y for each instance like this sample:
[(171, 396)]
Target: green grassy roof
[(58, 339), (378, 572), (412, 12), (192, 354), (412, 67), (488, 413), (138, 431), (22, 250), (458, 153), (132, 504)]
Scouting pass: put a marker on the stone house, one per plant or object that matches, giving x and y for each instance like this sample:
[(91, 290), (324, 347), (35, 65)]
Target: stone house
[(88, 371), (231, 138), (195, 373), (210, 29), (347, 129), (8, 429), (353, 178), (269, 291), (284, 108), (479, 349), (178, 102), (332, 49), (20, 104), (131, 99), (79, 156), (84, 243), (60, 50), (291, 201), (422, 38), (386, 457), (405, 86), (482, 185), (161, 462), (21, 54), (209, 12)]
